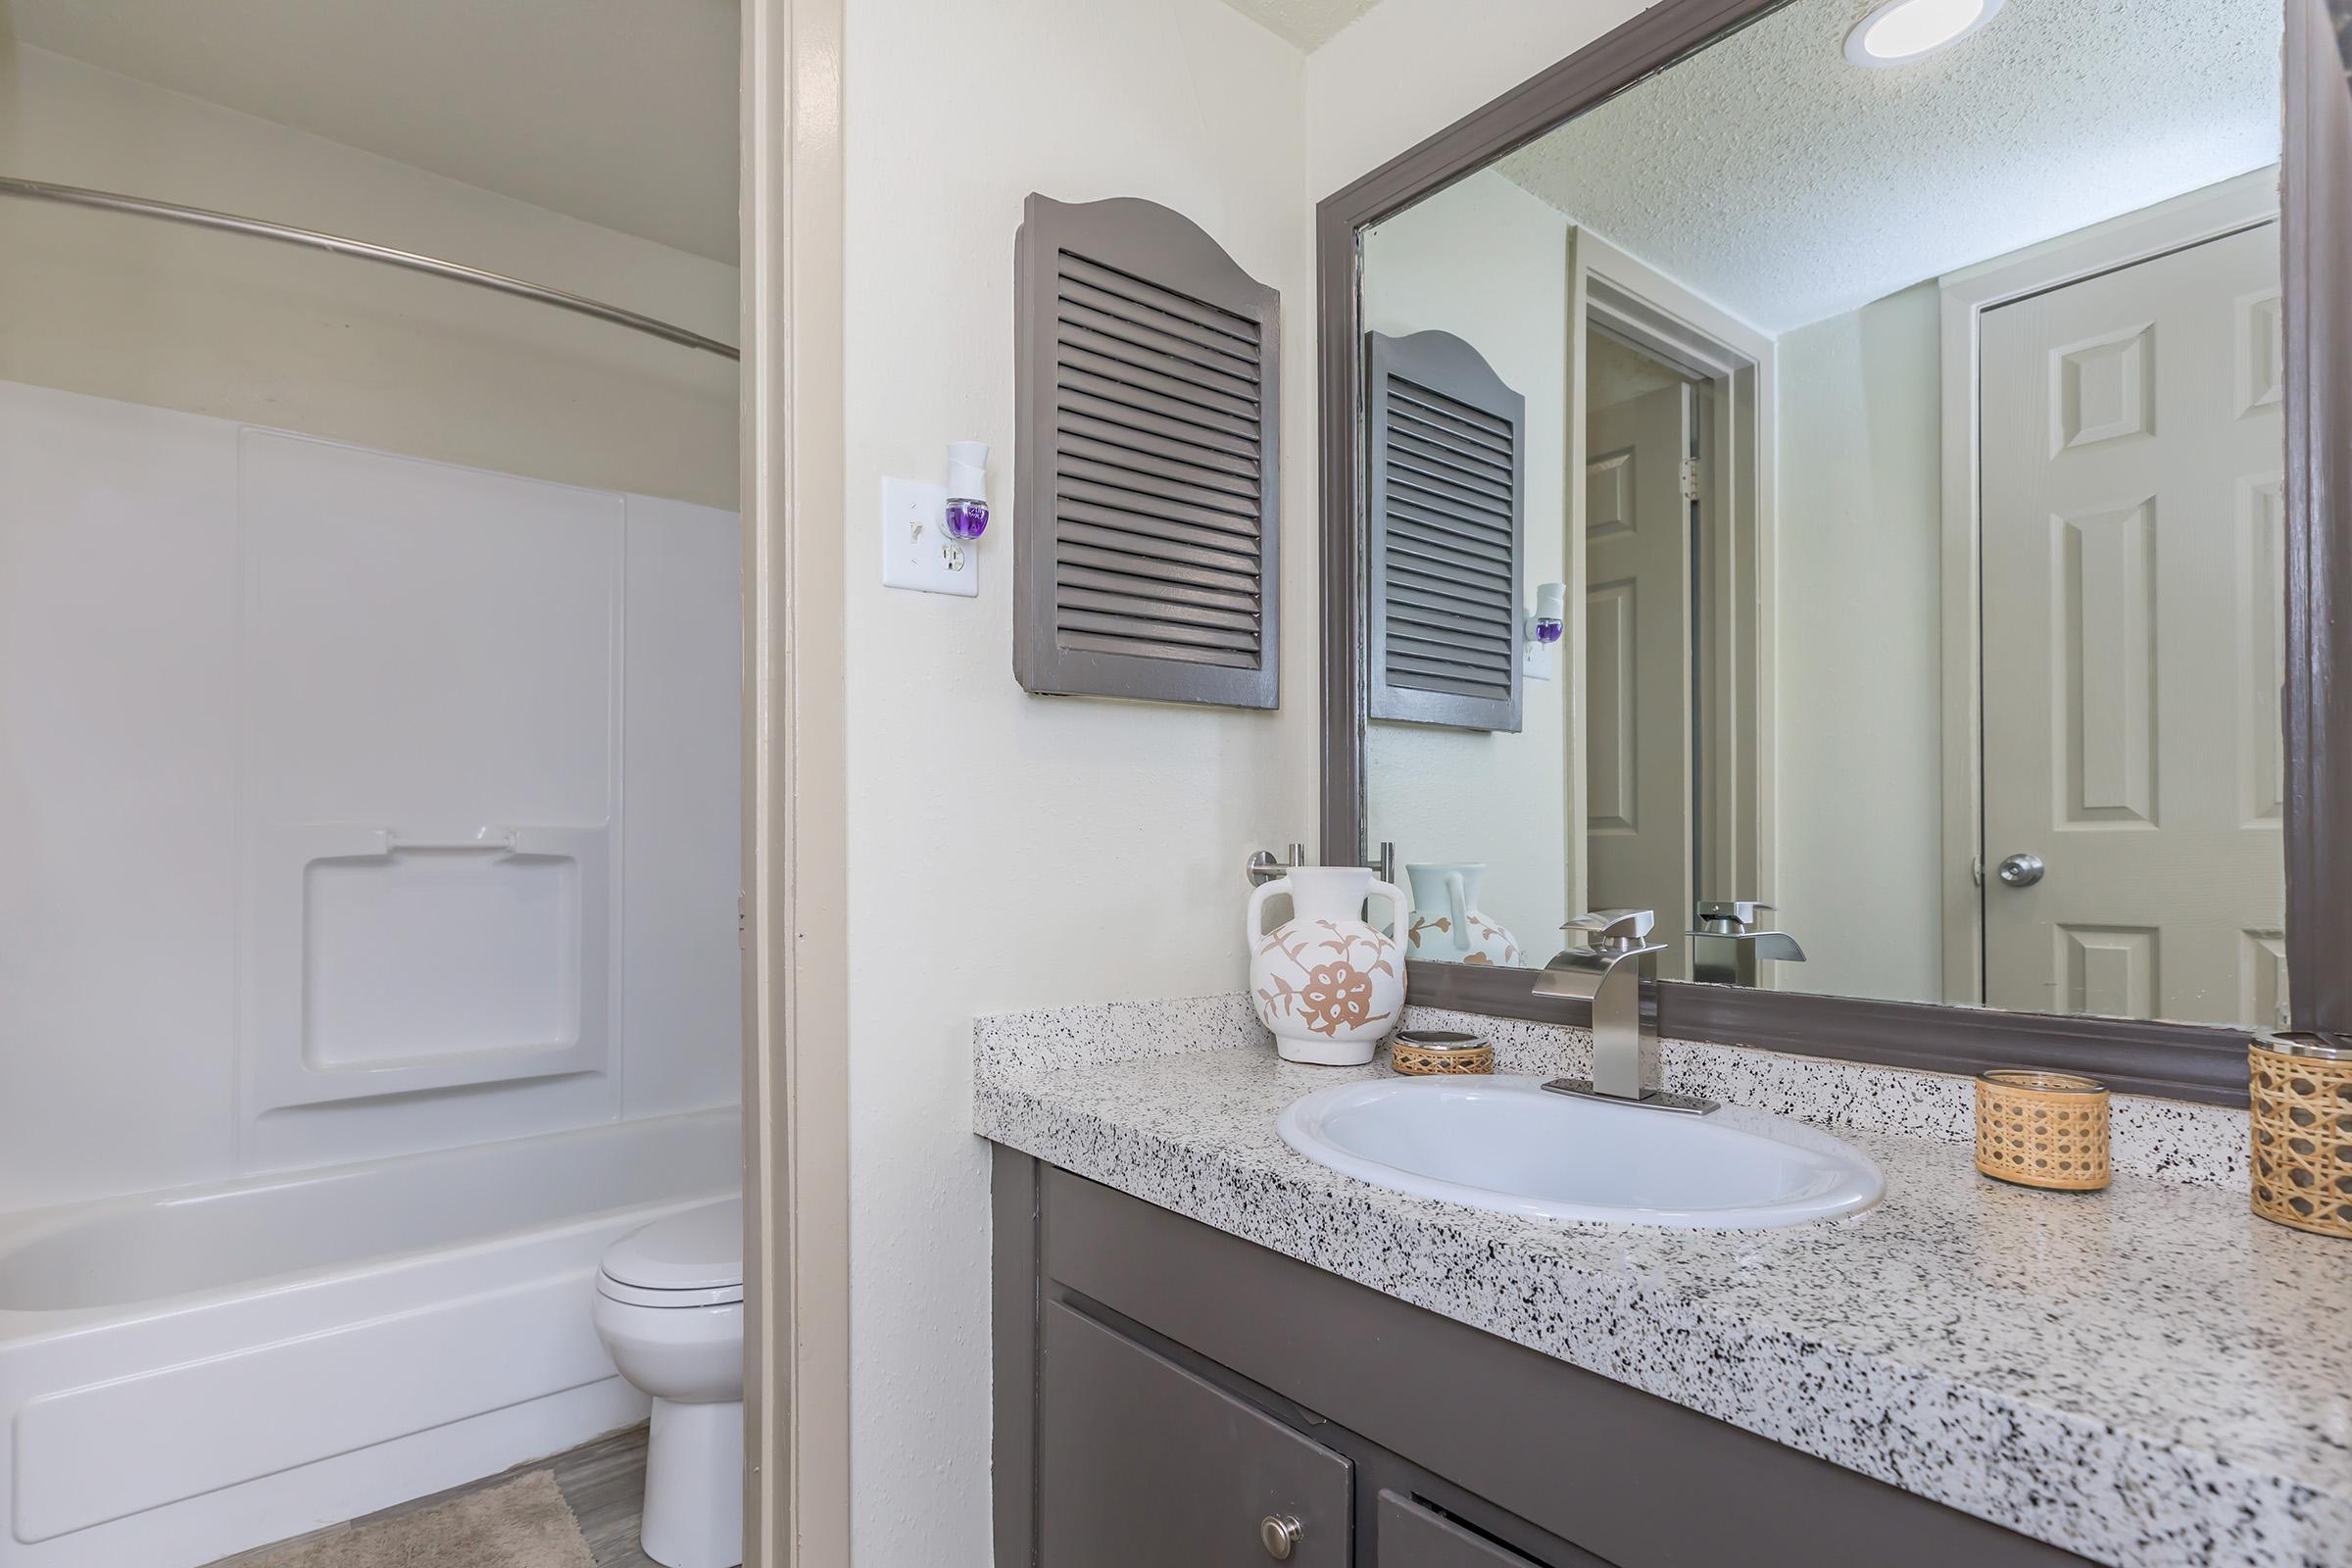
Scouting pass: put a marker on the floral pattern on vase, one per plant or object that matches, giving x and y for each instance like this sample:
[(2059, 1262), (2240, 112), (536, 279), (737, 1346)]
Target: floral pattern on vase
[(1328, 986), (1447, 925)]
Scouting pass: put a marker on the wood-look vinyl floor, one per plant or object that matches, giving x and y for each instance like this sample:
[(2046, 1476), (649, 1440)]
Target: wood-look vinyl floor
[(605, 1483), (602, 1481)]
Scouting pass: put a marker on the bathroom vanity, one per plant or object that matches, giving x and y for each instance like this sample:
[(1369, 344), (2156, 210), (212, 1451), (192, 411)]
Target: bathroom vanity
[(1760, 473), (1202, 1337), (1192, 1390)]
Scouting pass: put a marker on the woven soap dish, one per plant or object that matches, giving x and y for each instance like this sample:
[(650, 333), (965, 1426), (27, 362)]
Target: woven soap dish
[(2300, 1088), (2042, 1129), (1419, 1051)]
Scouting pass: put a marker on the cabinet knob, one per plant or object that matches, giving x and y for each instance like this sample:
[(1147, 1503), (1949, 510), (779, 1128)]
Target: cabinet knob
[(1281, 1535)]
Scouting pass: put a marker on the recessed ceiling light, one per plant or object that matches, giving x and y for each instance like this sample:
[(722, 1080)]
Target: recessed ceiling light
[(1903, 31)]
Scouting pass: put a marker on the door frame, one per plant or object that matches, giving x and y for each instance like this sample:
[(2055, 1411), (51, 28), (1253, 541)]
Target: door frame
[(2248, 201), (1732, 364), (795, 1278)]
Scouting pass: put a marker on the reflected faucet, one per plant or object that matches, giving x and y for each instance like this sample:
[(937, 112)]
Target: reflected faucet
[(1608, 971), (1726, 944)]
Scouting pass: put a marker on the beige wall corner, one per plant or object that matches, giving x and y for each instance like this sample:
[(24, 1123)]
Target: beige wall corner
[(1356, 120), (796, 1087), (1013, 850)]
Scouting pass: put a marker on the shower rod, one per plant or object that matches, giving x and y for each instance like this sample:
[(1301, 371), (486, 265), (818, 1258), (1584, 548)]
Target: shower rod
[(432, 265)]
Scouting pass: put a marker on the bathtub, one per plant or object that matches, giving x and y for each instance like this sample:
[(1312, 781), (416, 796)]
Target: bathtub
[(187, 1374)]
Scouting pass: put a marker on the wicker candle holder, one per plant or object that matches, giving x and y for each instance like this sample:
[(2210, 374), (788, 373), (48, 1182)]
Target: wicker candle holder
[(2042, 1129), (1420, 1052), (2299, 1087)]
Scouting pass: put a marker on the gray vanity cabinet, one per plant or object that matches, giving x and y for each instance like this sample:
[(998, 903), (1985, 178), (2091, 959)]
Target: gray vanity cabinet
[(1409, 1536), (1143, 1464), (1165, 1391)]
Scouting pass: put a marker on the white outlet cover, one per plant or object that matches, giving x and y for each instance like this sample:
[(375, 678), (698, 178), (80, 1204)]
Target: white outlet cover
[(916, 552), (1537, 660)]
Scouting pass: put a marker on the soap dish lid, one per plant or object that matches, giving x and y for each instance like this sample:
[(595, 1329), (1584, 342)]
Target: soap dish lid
[(1439, 1040), (2312, 1045), (2041, 1081)]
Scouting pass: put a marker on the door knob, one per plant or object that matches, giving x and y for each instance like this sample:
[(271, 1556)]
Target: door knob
[(2020, 870), (1281, 1535)]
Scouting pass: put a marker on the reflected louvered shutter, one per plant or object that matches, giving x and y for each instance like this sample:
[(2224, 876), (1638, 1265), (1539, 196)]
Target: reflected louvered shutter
[(1144, 496), (1448, 449)]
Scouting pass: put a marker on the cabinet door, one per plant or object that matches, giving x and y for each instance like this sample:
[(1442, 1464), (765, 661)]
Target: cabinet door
[(1412, 1537), (1143, 1465)]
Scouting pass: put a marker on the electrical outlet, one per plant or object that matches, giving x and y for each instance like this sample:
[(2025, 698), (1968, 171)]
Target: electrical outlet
[(916, 552), (1537, 660)]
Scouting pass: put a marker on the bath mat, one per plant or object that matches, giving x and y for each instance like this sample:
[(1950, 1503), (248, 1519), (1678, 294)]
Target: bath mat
[(522, 1524)]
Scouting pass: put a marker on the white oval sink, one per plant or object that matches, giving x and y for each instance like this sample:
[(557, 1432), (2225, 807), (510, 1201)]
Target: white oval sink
[(1510, 1145)]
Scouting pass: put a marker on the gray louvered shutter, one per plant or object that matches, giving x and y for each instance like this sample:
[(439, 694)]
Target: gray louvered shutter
[(1144, 517), (1447, 541)]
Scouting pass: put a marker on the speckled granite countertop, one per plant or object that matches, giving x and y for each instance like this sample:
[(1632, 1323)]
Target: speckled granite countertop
[(2148, 1375)]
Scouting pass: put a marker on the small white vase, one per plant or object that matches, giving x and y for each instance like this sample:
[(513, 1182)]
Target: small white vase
[(1448, 926), (1328, 985)]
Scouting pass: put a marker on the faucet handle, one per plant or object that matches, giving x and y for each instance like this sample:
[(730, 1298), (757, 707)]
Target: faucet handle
[(1741, 911), (1614, 928)]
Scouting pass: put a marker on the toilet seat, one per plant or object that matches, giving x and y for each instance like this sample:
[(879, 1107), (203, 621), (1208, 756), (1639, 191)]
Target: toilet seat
[(692, 1258), (613, 1290)]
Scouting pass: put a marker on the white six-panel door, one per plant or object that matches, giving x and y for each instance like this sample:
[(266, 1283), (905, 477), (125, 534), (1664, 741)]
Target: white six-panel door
[(1638, 663), (2131, 459)]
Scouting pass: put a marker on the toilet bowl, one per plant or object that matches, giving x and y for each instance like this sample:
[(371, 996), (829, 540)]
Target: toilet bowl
[(669, 1308)]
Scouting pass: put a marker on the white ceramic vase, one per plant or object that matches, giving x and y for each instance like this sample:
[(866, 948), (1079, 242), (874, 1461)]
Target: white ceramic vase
[(1449, 927), (1328, 985)]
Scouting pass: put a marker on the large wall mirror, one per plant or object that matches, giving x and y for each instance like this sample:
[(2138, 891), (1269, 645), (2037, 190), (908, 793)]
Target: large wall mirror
[(1839, 501)]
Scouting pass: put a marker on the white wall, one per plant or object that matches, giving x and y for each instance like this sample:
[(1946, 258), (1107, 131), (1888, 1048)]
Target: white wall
[(211, 323), (1488, 263), (1407, 69), (1006, 850), (129, 767), (1860, 715), (1010, 851)]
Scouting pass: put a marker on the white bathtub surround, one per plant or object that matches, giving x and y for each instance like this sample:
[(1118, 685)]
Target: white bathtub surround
[(354, 805), (2146, 1375), (187, 1374), (428, 706)]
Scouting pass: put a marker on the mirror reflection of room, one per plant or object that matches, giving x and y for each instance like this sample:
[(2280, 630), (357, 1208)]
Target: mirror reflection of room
[(1911, 463)]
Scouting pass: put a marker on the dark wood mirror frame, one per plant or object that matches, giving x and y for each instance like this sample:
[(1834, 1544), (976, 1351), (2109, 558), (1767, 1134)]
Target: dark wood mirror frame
[(2181, 1061)]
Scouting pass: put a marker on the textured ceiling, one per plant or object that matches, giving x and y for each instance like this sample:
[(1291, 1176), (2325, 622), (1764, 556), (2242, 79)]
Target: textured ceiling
[(1788, 185), (1306, 22), (616, 112)]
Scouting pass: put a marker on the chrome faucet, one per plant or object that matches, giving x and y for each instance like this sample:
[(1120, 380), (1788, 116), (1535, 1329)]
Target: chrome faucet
[(1726, 945), (1608, 971)]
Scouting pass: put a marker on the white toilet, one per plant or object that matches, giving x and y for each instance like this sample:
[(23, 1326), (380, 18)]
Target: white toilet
[(669, 1308)]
